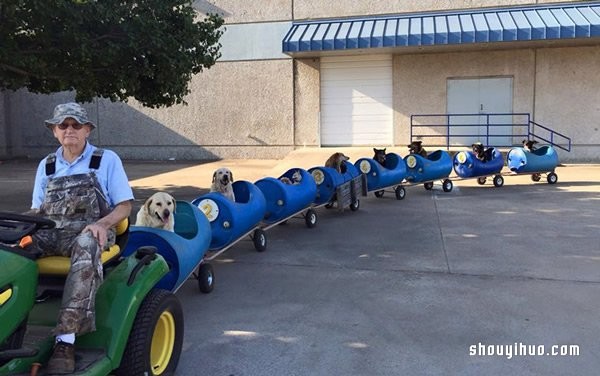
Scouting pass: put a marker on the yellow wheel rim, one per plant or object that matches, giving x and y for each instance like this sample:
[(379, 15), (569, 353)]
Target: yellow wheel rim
[(365, 167), (163, 341), (411, 161), (461, 157), (318, 176)]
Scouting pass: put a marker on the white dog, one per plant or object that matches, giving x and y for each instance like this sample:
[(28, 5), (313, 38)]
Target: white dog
[(296, 178), (222, 182), (157, 212)]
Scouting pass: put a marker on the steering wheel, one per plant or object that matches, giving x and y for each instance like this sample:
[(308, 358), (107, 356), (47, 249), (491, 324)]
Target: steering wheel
[(14, 226)]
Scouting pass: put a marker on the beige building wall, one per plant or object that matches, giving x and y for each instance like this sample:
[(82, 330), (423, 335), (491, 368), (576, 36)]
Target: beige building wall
[(243, 11), (307, 9), (420, 81), (234, 110), (307, 94), (264, 107), (567, 96)]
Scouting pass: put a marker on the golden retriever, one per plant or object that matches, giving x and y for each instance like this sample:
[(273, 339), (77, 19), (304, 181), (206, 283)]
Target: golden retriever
[(157, 212), (222, 182), (336, 160)]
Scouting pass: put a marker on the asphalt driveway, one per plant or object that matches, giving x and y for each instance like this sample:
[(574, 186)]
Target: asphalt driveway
[(428, 285)]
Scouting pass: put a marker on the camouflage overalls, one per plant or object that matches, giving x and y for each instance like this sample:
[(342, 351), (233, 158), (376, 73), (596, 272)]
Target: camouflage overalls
[(73, 202)]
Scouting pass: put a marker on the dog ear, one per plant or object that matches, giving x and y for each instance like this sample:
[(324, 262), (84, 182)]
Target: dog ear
[(231, 176), (174, 205), (214, 176), (384, 150), (374, 150), (147, 204)]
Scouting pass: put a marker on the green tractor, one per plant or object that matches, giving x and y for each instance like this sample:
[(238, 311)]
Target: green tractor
[(139, 327)]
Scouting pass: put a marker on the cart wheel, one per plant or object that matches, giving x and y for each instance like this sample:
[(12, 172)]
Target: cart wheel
[(498, 181), (310, 218), (552, 178), (155, 340), (206, 278), (428, 186), (447, 185), (400, 192), (260, 240), (536, 177), (355, 205), (481, 181), (379, 194)]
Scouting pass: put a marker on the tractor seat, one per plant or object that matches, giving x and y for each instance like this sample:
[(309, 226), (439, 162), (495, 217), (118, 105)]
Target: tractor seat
[(60, 265)]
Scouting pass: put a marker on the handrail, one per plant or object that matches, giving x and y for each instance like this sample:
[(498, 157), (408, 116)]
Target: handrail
[(518, 129), (566, 140)]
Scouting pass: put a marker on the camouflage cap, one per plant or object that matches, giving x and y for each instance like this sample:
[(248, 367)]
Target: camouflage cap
[(69, 110)]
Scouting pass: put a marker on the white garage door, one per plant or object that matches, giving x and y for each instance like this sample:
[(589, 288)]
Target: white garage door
[(356, 100)]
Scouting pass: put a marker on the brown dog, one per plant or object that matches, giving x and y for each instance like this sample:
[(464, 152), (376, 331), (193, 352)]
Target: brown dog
[(336, 160), (416, 147), (157, 212), (222, 182)]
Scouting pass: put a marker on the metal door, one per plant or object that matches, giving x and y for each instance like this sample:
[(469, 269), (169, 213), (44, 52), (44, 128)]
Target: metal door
[(486, 97), (356, 100)]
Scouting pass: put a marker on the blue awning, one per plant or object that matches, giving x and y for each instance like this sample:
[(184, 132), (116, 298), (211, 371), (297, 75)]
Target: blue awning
[(533, 23)]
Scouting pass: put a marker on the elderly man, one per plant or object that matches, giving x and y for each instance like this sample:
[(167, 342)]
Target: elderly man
[(85, 190)]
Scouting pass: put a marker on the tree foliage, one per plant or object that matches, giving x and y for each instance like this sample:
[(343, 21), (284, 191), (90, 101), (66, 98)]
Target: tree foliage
[(116, 49)]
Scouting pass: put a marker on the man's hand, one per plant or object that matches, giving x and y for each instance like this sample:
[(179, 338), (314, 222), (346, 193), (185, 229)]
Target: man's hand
[(99, 232), (100, 229)]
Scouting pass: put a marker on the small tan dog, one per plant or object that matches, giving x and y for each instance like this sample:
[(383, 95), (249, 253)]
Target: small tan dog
[(222, 182), (157, 212), (336, 160)]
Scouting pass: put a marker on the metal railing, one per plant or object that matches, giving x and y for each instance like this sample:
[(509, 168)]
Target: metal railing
[(554, 138), (494, 129)]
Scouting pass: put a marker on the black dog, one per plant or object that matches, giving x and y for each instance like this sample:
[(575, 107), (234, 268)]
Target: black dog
[(528, 145), (379, 156), (481, 153), (416, 147)]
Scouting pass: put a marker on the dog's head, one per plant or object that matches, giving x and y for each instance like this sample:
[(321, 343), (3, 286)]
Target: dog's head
[(379, 155), (529, 144), (222, 176), (478, 148), (160, 207), (415, 147), (297, 176), (339, 158)]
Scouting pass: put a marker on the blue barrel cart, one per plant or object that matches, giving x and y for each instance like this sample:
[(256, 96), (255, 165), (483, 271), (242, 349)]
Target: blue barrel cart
[(543, 160), (231, 221), (381, 177), (285, 201), (342, 188), (437, 166), (183, 250), (468, 166)]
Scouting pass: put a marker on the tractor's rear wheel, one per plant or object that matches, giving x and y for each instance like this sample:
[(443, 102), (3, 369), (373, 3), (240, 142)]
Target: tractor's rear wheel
[(155, 341)]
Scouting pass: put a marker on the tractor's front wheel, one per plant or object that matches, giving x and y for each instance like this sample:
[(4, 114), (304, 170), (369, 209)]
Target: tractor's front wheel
[(155, 341)]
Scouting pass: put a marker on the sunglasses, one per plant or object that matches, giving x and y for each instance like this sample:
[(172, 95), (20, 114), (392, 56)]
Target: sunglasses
[(75, 126)]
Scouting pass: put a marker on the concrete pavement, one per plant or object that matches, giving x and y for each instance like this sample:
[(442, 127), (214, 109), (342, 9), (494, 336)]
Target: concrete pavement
[(421, 286)]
